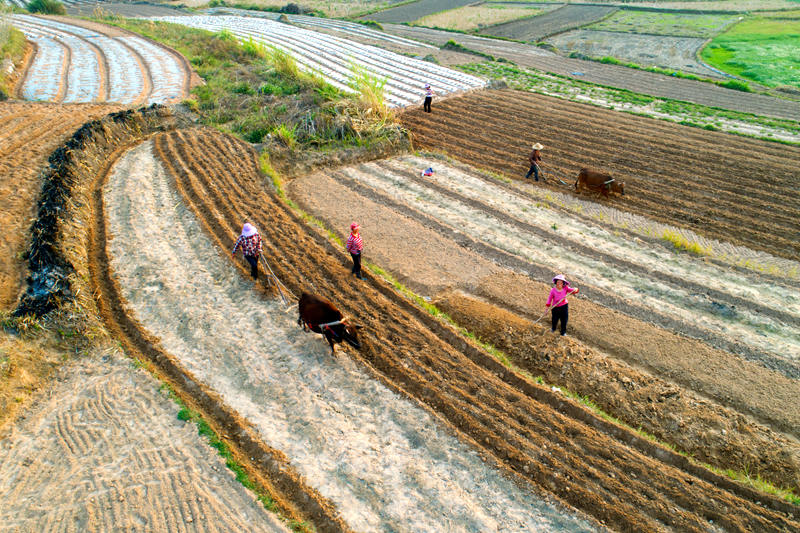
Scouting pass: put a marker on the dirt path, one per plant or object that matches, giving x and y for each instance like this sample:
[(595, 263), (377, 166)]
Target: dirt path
[(103, 450), (734, 181), (28, 134), (383, 461), (638, 81), (431, 244), (532, 433)]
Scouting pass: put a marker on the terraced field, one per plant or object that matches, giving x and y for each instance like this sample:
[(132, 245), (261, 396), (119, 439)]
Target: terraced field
[(82, 62), (718, 185), (28, 134), (638, 81), (562, 19), (334, 58), (526, 431), (458, 236), (415, 10)]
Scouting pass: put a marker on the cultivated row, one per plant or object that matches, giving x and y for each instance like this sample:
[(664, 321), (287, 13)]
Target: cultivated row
[(74, 64)]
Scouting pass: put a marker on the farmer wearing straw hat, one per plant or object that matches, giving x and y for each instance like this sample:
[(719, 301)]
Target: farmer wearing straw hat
[(355, 245), (428, 98), (534, 159), (250, 241), (558, 300)]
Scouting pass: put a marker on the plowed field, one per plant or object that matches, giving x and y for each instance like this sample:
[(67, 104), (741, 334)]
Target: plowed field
[(725, 187), (28, 134), (532, 435), (564, 18)]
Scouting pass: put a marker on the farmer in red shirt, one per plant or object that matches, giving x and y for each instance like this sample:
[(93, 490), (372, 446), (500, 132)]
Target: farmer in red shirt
[(354, 246), (250, 241)]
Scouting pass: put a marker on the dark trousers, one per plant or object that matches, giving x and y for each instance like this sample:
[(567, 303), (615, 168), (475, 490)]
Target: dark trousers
[(253, 260), (356, 264), (535, 171), (427, 105), (560, 313)]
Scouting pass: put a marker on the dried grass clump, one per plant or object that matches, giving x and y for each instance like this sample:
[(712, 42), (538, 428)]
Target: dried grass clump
[(367, 112)]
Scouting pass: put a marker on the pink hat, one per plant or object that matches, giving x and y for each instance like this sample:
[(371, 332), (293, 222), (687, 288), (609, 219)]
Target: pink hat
[(562, 278), (354, 226), (248, 230)]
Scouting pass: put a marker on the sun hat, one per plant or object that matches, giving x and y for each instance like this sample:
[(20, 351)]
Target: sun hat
[(248, 230), (562, 278), (354, 226), (427, 85), (538, 146)]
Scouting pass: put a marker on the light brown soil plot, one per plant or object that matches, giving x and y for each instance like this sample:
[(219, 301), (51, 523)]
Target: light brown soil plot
[(716, 184), (28, 134), (105, 451), (544, 440), (447, 231)]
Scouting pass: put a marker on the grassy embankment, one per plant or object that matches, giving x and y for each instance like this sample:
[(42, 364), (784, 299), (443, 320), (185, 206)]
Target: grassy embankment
[(762, 48), (12, 48), (686, 113), (260, 94)]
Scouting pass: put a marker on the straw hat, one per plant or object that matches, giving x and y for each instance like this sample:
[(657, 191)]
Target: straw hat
[(248, 230), (538, 146), (562, 278)]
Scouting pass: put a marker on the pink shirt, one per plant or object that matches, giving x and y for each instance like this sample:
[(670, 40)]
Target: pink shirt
[(558, 295)]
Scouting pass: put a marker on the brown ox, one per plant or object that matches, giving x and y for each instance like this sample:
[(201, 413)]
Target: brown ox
[(320, 316), (598, 181)]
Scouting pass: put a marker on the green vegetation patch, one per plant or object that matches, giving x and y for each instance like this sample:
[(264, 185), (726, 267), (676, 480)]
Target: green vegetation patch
[(46, 7), (761, 49), (261, 95), (673, 24), (12, 47)]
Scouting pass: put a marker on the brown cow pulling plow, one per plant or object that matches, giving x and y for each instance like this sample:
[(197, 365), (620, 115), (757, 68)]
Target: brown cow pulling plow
[(603, 183), (321, 316)]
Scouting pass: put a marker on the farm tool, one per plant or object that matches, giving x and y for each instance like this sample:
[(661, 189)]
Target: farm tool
[(272, 280), (546, 310)]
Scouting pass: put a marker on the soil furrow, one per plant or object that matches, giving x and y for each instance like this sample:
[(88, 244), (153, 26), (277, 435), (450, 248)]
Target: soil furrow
[(211, 193), (638, 169), (538, 271), (751, 229), (279, 225), (594, 252)]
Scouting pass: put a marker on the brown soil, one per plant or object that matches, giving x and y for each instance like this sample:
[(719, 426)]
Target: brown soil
[(431, 258), (559, 20), (29, 132), (734, 181), (538, 436)]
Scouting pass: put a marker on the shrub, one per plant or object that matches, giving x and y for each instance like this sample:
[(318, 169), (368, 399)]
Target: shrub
[(610, 60), (736, 85), (47, 7), (287, 135)]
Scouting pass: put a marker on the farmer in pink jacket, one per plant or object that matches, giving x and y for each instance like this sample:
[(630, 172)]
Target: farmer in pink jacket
[(558, 300)]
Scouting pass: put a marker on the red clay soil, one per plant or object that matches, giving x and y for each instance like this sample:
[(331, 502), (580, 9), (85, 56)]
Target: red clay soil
[(536, 436), (723, 186), (29, 132)]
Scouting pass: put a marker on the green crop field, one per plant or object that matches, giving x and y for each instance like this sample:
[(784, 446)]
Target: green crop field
[(674, 24), (762, 49)]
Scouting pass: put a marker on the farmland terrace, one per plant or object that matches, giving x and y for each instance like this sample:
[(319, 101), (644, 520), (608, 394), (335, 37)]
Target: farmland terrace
[(559, 20), (638, 81)]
